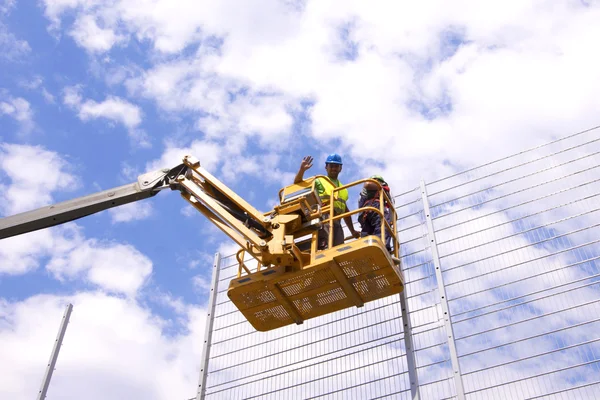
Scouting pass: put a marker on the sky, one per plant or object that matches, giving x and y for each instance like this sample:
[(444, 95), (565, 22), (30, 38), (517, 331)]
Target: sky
[(94, 93)]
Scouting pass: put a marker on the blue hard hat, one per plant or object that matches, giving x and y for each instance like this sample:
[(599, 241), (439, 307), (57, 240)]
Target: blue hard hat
[(334, 158)]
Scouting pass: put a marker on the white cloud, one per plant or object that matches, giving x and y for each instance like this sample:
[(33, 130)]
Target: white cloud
[(201, 283), (23, 190), (20, 110), (37, 84), (54, 9), (260, 115), (228, 248), (168, 28), (113, 348), (49, 97), (189, 211), (116, 268), (174, 303), (22, 254), (113, 108), (208, 153), (367, 103), (11, 47), (6, 5), (229, 109), (131, 212), (72, 96), (27, 190), (129, 173), (196, 259), (264, 166), (32, 83), (417, 91), (90, 36)]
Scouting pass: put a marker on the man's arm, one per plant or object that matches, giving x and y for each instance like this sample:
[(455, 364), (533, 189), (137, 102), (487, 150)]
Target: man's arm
[(350, 224), (304, 165)]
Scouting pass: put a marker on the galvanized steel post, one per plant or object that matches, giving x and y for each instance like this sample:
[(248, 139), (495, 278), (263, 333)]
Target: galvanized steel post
[(460, 391), (54, 355), (212, 300), (410, 350)]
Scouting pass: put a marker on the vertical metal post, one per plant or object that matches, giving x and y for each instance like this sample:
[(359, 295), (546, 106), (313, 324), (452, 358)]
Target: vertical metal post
[(410, 350), (54, 355), (212, 302), (460, 391)]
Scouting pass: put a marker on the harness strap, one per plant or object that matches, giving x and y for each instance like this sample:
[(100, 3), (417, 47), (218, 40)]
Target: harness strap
[(367, 203)]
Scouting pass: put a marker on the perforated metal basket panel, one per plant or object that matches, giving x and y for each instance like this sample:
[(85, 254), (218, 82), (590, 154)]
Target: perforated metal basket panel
[(273, 301), (258, 302), (371, 275)]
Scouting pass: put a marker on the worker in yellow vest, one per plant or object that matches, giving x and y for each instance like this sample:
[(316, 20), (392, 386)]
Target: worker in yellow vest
[(333, 166)]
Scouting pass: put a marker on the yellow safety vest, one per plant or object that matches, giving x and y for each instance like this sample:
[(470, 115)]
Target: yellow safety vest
[(340, 197)]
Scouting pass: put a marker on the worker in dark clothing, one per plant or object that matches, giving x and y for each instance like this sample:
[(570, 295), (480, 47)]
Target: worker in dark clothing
[(370, 221)]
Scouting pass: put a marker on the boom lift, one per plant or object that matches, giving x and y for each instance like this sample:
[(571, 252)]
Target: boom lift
[(293, 281)]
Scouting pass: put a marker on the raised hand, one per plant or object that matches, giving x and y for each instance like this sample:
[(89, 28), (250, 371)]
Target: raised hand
[(306, 163)]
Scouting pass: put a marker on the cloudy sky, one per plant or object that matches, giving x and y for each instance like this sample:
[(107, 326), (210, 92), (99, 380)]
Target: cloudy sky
[(93, 93)]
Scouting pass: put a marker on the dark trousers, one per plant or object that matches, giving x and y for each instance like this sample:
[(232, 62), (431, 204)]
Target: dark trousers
[(370, 223), (323, 235)]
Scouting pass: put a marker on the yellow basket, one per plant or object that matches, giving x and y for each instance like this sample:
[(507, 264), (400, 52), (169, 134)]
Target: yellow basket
[(347, 275)]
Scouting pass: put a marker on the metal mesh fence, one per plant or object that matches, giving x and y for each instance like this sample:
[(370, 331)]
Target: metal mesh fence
[(502, 291), (518, 245), (353, 352)]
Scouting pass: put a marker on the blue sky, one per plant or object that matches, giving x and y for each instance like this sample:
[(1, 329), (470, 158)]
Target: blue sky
[(94, 93), (98, 149)]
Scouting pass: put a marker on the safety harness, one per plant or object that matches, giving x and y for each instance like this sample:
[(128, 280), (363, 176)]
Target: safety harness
[(362, 217)]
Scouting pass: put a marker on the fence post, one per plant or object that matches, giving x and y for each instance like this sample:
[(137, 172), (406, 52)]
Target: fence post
[(410, 350), (212, 301), (460, 391), (55, 350)]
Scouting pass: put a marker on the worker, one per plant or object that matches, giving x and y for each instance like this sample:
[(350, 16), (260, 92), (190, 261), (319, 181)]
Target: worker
[(370, 221), (333, 167)]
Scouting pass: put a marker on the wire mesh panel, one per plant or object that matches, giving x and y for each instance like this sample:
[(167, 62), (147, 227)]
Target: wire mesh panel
[(518, 242), (355, 353), (433, 364)]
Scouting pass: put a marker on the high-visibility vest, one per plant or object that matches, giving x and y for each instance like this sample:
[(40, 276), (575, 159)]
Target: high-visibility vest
[(340, 197)]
